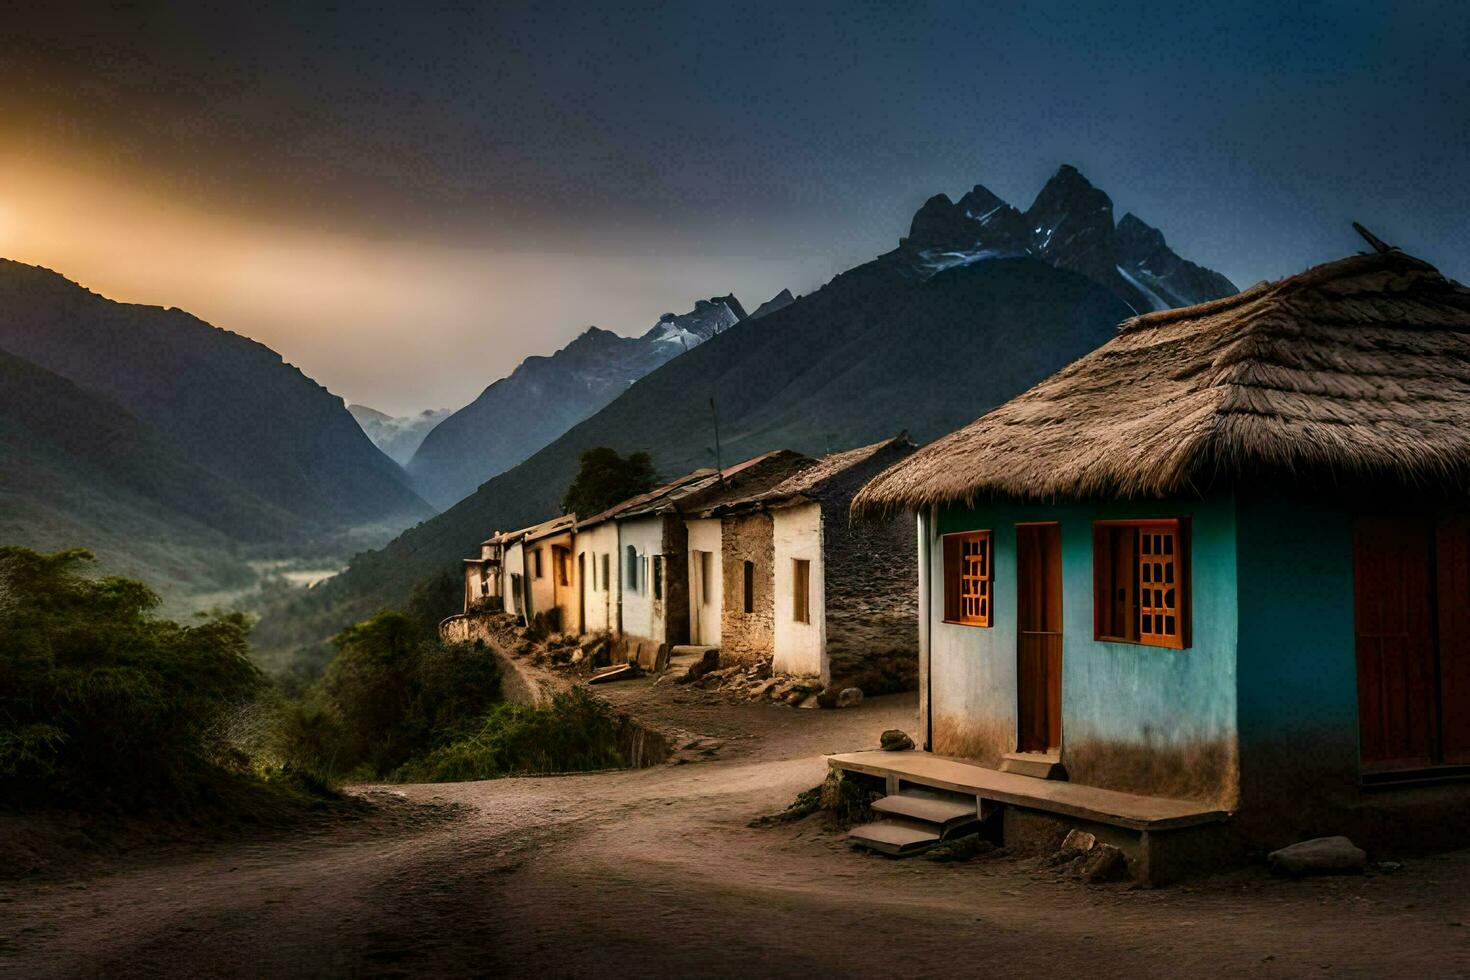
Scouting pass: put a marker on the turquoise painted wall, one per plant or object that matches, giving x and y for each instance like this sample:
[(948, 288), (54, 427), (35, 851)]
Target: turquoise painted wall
[(1133, 717), (1298, 664)]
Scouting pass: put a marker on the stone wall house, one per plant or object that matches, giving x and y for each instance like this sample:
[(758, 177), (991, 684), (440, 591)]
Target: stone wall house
[(748, 613), (805, 584), (651, 560)]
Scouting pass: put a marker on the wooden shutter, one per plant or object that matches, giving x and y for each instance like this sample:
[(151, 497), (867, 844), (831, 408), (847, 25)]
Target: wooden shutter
[(968, 578)]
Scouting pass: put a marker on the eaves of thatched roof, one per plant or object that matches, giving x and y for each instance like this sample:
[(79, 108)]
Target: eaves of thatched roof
[(1356, 369)]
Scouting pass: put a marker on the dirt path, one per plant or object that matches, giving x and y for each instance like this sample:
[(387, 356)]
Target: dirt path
[(655, 872)]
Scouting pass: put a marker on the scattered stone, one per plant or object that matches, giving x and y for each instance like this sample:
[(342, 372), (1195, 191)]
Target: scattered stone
[(1389, 867), (1104, 863), (525, 646), (894, 740), (1076, 844), (960, 849), (810, 701), (577, 657), (1319, 856), (760, 689), (850, 697)]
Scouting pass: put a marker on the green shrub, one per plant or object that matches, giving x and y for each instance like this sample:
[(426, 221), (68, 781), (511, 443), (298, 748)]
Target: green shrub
[(100, 700), (390, 694), (574, 733)]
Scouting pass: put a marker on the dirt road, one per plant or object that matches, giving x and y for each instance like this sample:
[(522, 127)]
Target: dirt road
[(655, 872)]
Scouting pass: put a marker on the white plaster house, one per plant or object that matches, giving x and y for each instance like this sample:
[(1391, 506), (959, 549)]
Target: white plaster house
[(804, 583)]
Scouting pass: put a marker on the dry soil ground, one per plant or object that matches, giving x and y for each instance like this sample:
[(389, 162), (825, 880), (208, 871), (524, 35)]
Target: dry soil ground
[(655, 872)]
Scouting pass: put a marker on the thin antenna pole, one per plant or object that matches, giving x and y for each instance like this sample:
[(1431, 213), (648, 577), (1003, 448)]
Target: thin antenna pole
[(719, 466)]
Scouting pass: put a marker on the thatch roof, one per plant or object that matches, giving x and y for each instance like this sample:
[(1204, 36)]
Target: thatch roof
[(1357, 369)]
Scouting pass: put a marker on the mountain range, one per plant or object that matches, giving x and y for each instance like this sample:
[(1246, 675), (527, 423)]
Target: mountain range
[(977, 303), (398, 436), (546, 396), (147, 433)]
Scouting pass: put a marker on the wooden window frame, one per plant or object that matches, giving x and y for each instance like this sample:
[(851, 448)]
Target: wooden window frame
[(1174, 571), (801, 590), (747, 586), (632, 583), (955, 575), (536, 553), (606, 573)]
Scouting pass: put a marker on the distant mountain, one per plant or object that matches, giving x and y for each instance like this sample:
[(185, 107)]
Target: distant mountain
[(77, 470), (217, 401), (398, 436), (911, 340), (1070, 226), (780, 301), (546, 396)]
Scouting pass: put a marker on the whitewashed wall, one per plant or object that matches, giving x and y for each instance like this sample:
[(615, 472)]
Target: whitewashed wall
[(515, 567), (800, 648), (642, 617), (704, 616), (599, 595)]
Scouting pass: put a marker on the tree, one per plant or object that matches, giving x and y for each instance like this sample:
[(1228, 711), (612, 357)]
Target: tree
[(605, 478), (100, 699)]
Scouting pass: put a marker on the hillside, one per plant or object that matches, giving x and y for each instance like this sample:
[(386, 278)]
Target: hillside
[(546, 396), (977, 303), (79, 470), (873, 352), (219, 401)]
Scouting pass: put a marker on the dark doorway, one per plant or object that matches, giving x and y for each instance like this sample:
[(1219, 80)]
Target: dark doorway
[(1411, 590), (1039, 636)]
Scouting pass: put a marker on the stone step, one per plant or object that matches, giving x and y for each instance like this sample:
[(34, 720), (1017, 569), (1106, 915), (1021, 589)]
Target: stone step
[(943, 814), (1038, 765), (896, 835)]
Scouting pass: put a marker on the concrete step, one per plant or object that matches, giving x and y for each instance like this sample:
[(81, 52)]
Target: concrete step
[(1038, 765), (941, 813), (895, 835)]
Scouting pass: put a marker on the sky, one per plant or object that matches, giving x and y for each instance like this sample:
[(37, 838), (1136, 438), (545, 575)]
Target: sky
[(405, 200)]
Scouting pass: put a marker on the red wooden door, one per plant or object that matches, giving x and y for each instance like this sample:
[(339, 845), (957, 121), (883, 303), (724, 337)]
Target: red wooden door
[(1452, 569), (1039, 636), (1394, 609)]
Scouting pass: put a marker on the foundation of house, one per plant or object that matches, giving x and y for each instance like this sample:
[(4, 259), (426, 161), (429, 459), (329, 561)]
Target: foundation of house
[(1163, 839)]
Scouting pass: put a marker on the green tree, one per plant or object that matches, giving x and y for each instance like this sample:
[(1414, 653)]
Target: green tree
[(606, 478), (101, 700)]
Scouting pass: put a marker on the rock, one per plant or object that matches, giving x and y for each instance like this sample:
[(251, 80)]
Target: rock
[(759, 690), (959, 849), (1104, 863), (850, 697), (577, 657), (1389, 867), (1076, 844), (1319, 856), (894, 740), (810, 701)]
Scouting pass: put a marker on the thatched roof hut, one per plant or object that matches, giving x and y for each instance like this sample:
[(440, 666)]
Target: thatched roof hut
[(1358, 368)]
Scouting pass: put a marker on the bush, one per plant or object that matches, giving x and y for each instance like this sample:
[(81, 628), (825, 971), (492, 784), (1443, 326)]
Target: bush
[(391, 693), (572, 734), (99, 700)]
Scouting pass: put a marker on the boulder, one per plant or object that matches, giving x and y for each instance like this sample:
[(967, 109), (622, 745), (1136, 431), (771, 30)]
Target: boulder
[(1104, 862), (894, 740), (849, 697), (1319, 856)]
